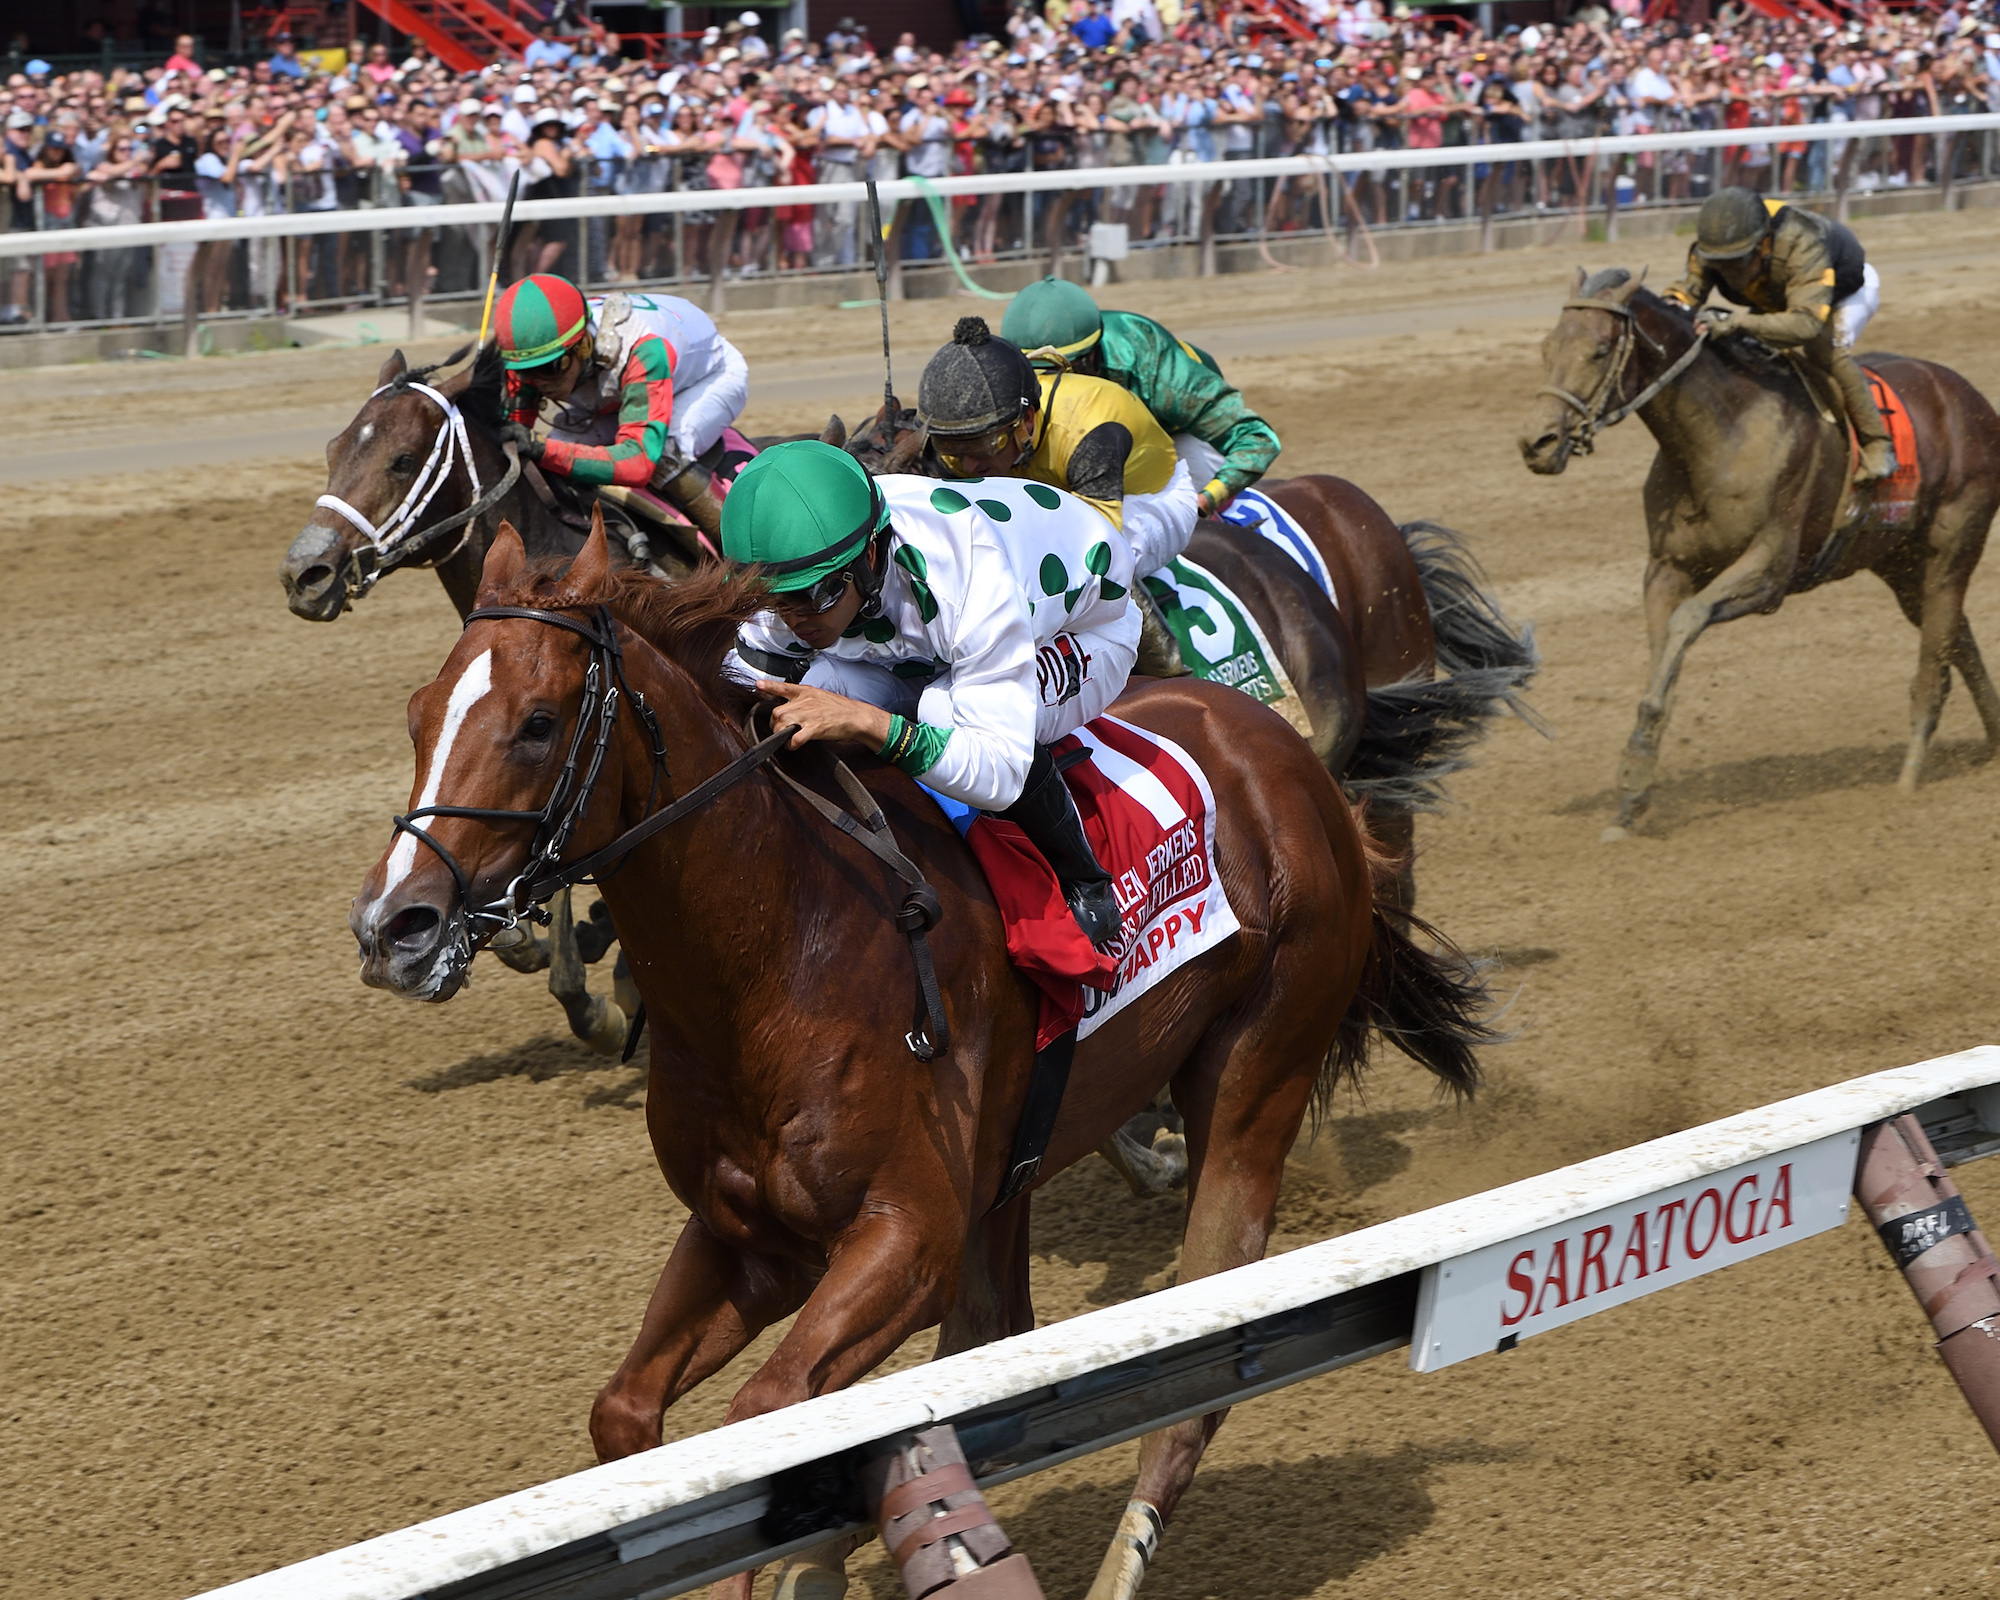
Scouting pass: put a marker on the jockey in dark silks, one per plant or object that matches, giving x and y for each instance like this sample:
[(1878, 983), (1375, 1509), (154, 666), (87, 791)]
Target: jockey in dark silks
[(1225, 444), (1808, 288)]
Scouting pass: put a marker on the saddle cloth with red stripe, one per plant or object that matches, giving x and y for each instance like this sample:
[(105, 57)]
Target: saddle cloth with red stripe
[(1149, 813)]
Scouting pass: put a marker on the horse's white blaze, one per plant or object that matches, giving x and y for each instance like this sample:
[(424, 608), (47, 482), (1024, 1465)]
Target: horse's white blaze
[(367, 432), (470, 689)]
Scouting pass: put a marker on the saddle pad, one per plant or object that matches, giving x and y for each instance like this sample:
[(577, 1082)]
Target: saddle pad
[(1221, 640), (1895, 495), (1150, 816), (1261, 514)]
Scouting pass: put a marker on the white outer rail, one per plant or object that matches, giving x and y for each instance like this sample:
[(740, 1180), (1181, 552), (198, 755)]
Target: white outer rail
[(463, 1544), (300, 224)]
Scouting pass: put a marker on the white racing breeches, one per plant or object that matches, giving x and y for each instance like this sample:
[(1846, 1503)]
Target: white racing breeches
[(1857, 310), (1077, 675), (1159, 525), (701, 410)]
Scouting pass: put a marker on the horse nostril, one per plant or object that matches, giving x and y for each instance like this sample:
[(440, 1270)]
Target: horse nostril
[(315, 575), (414, 929)]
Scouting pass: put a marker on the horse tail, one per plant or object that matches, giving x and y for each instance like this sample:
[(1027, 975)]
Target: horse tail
[(1418, 990), (1417, 733)]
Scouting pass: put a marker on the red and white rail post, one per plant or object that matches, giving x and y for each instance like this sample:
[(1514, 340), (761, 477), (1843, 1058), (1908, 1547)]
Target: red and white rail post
[(1920, 1216)]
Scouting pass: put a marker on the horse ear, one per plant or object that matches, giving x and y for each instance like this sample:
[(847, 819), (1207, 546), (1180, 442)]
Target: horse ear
[(834, 433), (1576, 283), (505, 558), (392, 369), (905, 451), (591, 569)]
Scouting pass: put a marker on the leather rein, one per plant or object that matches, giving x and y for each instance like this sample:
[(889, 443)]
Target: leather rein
[(403, 536), (546, 873), (1592, 414)]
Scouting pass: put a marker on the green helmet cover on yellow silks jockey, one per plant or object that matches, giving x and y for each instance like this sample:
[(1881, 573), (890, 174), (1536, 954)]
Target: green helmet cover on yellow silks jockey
[(800, 511)]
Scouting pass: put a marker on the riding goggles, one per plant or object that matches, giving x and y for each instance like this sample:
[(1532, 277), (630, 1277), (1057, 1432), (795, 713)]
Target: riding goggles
[(981, 448), (819, 598)]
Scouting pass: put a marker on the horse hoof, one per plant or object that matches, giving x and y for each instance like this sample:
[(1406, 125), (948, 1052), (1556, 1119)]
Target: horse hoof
[(1614, 833), (1907, 781)]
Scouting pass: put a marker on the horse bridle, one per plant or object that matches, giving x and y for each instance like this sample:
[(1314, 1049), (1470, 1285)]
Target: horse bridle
[(400, 539), (604, 686), (1593, 417)]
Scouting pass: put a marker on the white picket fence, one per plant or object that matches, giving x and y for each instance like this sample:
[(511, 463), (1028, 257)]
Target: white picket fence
[(301, 224), (671, 1519)]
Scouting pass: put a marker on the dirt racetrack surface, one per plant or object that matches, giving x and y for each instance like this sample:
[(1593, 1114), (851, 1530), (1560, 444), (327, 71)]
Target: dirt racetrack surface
[(285, 1262)]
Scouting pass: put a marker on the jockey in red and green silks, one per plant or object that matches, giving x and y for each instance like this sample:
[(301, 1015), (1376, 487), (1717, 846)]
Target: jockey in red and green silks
[(641, 379)]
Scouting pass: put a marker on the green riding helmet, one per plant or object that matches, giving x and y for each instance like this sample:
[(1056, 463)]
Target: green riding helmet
[(1733, 222), (1053, 313), (800, 512), (975, 385)]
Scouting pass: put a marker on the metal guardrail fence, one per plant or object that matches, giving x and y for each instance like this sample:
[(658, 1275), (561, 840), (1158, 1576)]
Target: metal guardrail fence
[(297, 261), (671, 1519)]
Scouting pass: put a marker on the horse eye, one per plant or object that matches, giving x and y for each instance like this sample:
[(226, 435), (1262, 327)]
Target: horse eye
[(539, 726), (403, 463)]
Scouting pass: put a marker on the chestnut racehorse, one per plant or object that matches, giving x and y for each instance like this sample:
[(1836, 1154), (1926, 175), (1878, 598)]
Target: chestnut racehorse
[(826, 1170), (1750, 485)]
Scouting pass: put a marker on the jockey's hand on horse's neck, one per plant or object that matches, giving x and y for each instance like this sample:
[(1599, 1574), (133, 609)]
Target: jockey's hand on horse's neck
[(822, 714)]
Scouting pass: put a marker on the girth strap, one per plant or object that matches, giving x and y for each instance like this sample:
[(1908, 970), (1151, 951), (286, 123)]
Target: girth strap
[(920, 910), (1047, 1080)]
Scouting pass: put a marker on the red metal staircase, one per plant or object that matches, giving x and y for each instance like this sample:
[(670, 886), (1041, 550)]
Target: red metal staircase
[(464, 34)]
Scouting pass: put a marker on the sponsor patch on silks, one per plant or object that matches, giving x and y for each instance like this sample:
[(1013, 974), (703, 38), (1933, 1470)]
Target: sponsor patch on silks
[(1261, 514), (1149, 813), (1220, 639), (1895, 495)]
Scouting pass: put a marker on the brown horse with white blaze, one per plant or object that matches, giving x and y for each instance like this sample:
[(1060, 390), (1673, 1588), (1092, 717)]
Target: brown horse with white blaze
[(826, 1171), (1749, 498)]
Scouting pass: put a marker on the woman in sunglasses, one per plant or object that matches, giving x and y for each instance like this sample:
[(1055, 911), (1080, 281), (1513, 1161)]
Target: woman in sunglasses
[(959, 632)]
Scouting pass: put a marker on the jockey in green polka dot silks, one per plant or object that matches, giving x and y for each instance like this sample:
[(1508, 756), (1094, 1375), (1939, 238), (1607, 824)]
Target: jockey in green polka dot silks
[(958, 629)]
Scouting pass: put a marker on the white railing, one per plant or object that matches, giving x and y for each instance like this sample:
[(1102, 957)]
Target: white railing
[(302, 224), (695, 1504)]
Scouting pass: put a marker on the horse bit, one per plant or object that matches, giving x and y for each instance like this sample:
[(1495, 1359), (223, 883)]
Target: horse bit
[(604, 686), (449, 446), (1592, 413)]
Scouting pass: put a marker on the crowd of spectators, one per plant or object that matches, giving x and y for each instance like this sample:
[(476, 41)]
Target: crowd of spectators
[(1075, 83)]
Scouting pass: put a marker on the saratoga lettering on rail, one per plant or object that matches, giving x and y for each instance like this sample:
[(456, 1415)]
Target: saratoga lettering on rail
[(1493, 1297)]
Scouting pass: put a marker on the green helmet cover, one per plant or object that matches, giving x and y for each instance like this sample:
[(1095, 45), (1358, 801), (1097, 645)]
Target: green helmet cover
[(800, 511), (1732, 223), (1053, 312)]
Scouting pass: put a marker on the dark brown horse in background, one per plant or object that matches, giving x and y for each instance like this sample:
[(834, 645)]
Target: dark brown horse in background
[(1400, 678), (826, 1171), (371, 464), (1750, 487)]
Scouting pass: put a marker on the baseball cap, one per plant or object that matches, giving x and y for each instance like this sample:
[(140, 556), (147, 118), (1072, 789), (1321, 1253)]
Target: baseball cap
[(469, 108), (38, 68), (20, 119), (749, 19)]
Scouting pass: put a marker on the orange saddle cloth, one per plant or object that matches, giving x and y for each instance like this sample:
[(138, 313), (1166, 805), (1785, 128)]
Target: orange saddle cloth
[(1896, 495)]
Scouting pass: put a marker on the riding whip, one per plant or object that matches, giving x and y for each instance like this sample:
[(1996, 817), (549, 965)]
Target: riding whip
[(499, 256), (882, 294)]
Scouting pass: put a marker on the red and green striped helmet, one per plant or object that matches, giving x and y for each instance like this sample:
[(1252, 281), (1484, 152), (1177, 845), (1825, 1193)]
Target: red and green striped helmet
[(538, 319)]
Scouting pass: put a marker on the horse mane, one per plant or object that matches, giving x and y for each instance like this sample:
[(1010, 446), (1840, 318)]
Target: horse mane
[(480, 391), (1746, 355), (691, 621)]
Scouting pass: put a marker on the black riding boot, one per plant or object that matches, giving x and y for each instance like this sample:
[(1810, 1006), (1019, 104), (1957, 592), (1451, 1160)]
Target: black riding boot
[(1047, 815)]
